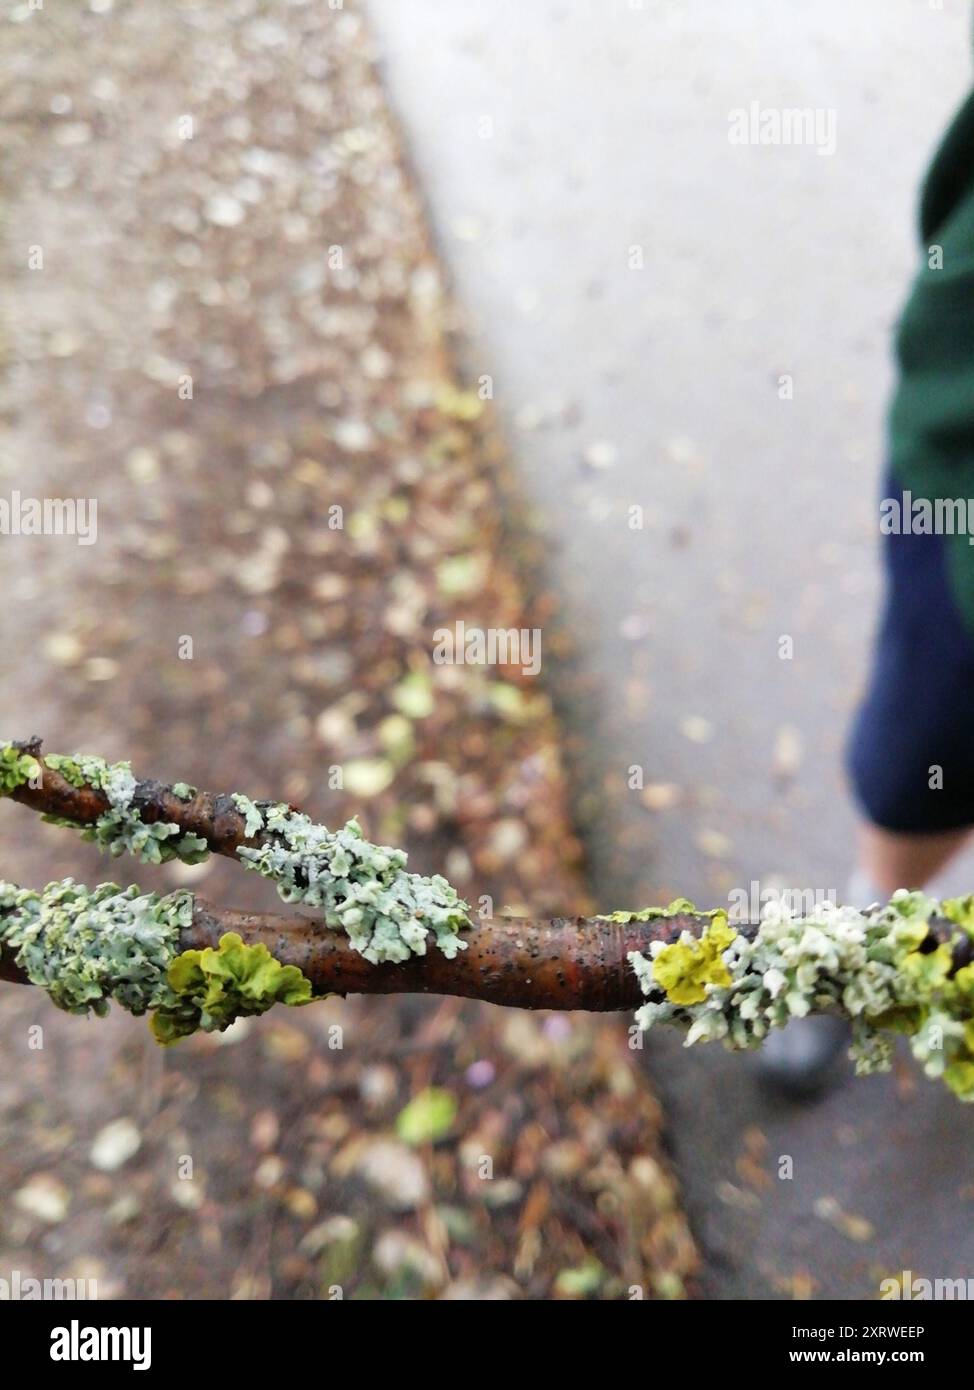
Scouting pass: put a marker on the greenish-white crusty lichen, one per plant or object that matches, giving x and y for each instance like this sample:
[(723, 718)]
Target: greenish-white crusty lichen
[(879, 967), (86, 947), (120, 829), (89, 947), (360, 889)]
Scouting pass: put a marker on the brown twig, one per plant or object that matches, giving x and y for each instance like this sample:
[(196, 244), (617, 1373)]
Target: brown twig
[(214, 818), (564, 963)]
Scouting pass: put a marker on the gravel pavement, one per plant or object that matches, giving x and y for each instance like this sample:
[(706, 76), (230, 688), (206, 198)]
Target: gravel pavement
[(237, 345)]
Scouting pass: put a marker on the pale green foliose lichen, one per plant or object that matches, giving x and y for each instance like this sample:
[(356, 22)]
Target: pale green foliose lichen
[(254, 820), (16, 768), (120, 829), (676, 908), (86, 947), (69, 768), (360, 888), (867, 965), (89, 947), (212, 988)]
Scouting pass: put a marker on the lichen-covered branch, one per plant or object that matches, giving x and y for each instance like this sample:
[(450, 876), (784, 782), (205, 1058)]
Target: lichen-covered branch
[(905, 967), (90, 947), (362, 889), (900, 968), (87, 947)]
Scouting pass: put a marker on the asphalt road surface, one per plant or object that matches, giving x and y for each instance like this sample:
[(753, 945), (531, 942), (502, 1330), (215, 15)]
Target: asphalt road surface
[(699, 328)]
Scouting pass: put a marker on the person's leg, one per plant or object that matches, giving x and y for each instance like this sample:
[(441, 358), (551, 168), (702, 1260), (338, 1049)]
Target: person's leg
[(801, 1058), (911, 763), (888, 860)]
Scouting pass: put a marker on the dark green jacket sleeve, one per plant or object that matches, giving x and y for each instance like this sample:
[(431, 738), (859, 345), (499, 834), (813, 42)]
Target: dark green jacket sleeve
[(931, 420)]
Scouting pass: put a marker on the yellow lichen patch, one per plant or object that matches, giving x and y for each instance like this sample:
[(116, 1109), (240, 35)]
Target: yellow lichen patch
[(685, 968)]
